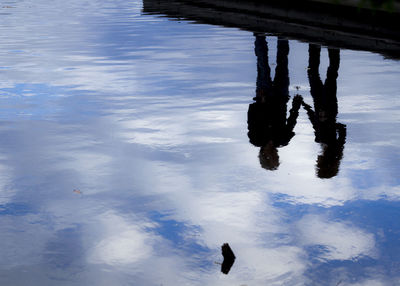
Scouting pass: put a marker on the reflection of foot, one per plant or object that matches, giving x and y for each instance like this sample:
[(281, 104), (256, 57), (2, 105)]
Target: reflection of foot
[(229, 258)]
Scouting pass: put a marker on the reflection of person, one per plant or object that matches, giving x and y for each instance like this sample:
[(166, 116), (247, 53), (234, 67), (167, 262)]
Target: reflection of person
[(330, 134), (268, 126)]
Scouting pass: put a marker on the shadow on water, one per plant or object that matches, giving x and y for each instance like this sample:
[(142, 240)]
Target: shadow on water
[(330, 134), (268, 125)]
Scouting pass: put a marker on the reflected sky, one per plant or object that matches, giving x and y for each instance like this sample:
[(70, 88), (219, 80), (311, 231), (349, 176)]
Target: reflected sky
[(147, 118)]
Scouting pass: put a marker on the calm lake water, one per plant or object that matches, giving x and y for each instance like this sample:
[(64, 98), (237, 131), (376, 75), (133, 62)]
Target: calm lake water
[(125, 154)]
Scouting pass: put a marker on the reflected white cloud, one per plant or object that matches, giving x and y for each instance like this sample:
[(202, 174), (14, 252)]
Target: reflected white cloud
[(368, 283), (121, 242), (339, 240), (380, 281), (275, 266), (229, 215), (175, 128), (226, 85)]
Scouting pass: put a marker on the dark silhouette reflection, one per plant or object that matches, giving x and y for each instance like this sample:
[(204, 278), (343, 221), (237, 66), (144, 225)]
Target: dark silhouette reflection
[(330, 134), (268, 127), (229, 258)]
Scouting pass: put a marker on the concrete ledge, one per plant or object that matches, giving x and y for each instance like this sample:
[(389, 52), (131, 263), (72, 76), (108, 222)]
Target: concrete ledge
[(344, 26)]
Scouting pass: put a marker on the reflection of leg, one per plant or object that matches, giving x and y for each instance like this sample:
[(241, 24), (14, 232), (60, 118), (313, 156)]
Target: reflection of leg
[(332, 73), (314, 52), (334, 60), (316, 86), (330, 87), (263, 69), (281, 79)]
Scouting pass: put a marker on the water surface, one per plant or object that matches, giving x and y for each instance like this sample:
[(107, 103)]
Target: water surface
[(125, 156)]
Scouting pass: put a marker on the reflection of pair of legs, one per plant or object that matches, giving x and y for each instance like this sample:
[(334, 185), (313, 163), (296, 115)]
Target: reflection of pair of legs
[(324, 95), (280, 85), (328, 132), (271, 98)]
